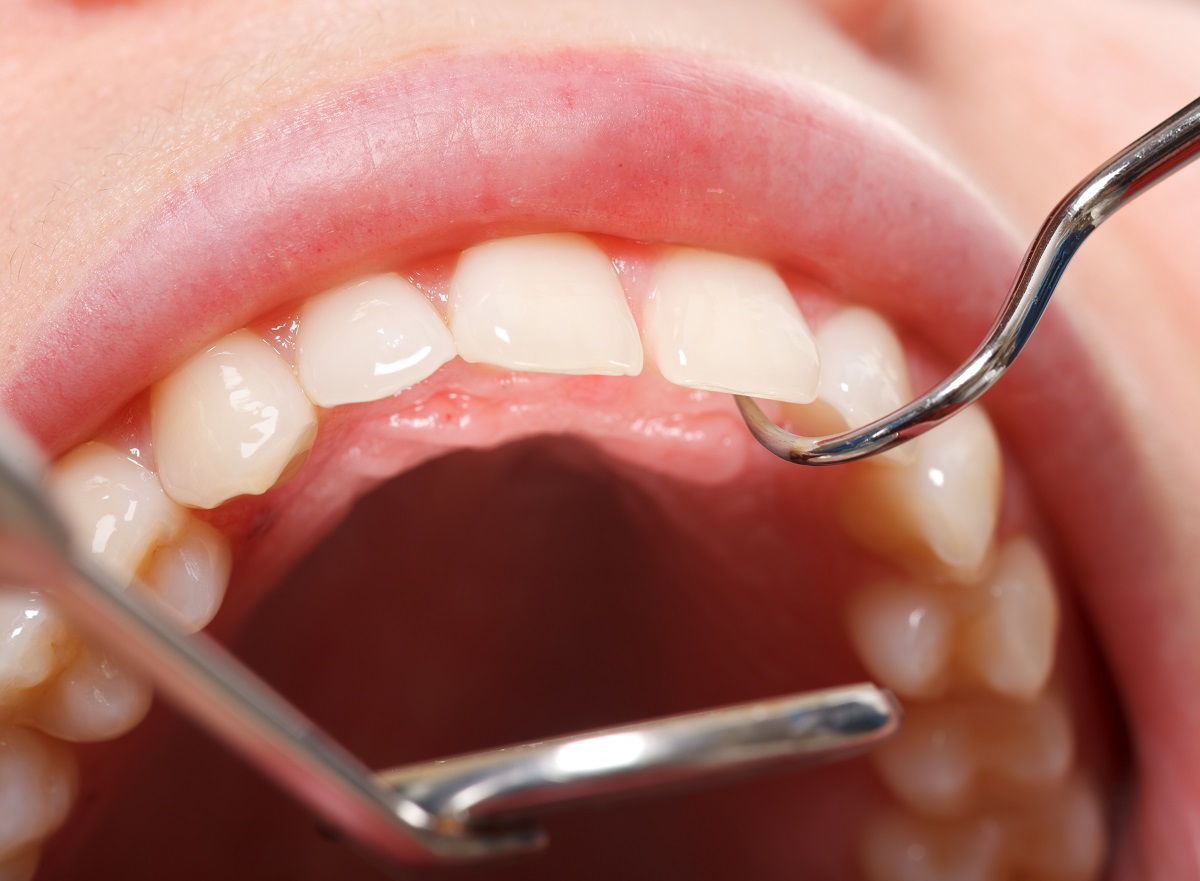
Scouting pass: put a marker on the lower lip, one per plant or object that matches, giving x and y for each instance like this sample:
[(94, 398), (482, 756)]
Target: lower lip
[(436, 155)]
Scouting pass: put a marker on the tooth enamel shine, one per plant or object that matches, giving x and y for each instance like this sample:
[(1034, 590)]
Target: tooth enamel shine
[(231, 421), (729, 324), (368, 340), (549, 303)]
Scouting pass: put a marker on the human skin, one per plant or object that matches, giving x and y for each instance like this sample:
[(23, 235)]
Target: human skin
[(108, 106)]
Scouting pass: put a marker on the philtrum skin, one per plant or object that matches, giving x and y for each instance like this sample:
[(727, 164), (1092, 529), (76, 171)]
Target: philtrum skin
[(744, 162)]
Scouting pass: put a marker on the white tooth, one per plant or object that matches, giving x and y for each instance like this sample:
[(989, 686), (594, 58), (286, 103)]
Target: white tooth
[(231, 421), (942, 506), (904, 635), (729, 324), (37, 788), (35, 643), (1011, 644), (863, 377), (930, 765), (899, 847), (114, 507), (550, 303), (190, 574), (94, 698), (367, 340), (1063, 836)]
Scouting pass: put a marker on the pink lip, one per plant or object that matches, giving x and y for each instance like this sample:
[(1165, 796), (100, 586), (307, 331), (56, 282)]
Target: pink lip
[(440, 154)]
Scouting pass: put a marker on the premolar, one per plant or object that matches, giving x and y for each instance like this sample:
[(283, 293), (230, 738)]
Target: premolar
[(367, 340), (114, 507), (37, 788), (548, 303), (231, 421), (729, 324), (939, 508)]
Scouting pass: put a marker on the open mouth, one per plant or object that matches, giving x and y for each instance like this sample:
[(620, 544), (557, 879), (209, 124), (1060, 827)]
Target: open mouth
[(455, 368)]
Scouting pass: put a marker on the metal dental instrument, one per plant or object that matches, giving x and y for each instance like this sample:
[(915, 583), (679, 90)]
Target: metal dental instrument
[(1150, 159), (447, 811)]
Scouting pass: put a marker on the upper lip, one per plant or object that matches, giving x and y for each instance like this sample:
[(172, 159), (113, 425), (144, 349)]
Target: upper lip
[(436, 155)]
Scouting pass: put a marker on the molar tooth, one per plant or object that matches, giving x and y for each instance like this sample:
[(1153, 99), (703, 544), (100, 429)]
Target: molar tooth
[(190, 574), (550, 303), (38, 785), (114, 507), (93, 698), (952, 756), (229, 422), (1010, 645), (1063, 836), (904, 635), (942, 506), (367, 340), (898, 847), (729, 324)]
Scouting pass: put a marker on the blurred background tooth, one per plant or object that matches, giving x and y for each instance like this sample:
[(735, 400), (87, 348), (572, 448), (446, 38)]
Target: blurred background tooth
[(20, 867), (94, 698), (729, 324), (952, 757), (367, 340), (903, 634), (1010, 645), (35, 643), (899, 847), (190, 574), (940, 507), (114, 507), (1061, 836), (549, 303), (231, 421), (37, 789)]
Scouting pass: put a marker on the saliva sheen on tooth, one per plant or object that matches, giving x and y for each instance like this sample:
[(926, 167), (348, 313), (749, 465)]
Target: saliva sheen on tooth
[(239, 417)]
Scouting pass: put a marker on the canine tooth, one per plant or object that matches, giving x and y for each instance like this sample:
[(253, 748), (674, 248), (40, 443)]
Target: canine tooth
[(898, 847), (93, 698), (190, 574), (1010, 645), (904, 635), (114, 507), (231, 421), (549, 303), (35, 643), (951, 756), (729, 324), (863, 377), (367, 340), (37, 788), (942, 506)]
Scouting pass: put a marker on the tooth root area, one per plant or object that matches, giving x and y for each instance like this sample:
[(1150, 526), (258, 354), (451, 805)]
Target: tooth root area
[(229, 422), (939, 509), (38, 785), (904, 635), (548, 303), (1010, 644), (114, 507), (190, 575), (729, 324), (94, 698), (368, 340), (954, 756)]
